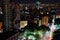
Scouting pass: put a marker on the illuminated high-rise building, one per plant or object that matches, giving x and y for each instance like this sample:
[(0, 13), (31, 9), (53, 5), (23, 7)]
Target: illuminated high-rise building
[(45, 20)]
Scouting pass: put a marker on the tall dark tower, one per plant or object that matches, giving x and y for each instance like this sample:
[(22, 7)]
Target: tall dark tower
[(7, 14)]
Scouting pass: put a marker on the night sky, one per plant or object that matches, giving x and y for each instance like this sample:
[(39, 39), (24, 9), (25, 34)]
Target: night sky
[(34, 1)]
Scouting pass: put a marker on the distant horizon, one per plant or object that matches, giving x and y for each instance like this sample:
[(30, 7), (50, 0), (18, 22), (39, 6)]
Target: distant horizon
[(33, 1)]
